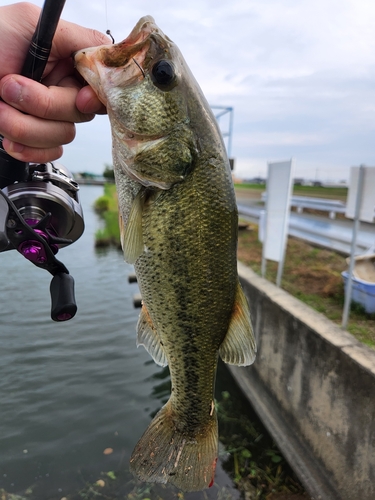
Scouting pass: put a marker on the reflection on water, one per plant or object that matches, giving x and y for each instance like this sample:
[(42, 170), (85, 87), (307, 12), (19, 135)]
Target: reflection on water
[(70, 390)]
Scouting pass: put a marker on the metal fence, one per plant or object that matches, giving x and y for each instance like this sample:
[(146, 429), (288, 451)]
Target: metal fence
[(328, 233)]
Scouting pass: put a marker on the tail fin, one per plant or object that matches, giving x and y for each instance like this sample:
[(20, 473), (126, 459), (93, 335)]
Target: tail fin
[(164, 454)]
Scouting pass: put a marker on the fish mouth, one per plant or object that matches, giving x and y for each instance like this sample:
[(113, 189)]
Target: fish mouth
[(93, 66), (118, 54), (123, 63)]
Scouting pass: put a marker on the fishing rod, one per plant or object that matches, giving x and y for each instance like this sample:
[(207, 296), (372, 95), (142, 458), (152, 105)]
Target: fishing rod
[(40, 211)]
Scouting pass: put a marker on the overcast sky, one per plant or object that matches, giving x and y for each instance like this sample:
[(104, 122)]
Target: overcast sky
[(299, 74)]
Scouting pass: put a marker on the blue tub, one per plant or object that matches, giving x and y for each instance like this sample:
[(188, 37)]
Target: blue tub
[(363, 292)]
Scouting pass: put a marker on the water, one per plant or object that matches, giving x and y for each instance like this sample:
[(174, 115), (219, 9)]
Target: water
[(70, 390)]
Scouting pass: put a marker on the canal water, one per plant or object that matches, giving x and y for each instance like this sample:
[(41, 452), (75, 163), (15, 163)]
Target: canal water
[(69, 391)]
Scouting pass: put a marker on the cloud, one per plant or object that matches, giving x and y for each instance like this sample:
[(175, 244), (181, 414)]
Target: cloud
[(299, 75)]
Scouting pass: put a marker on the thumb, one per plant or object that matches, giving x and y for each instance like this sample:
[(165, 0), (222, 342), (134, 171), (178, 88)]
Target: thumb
[(70, 37)]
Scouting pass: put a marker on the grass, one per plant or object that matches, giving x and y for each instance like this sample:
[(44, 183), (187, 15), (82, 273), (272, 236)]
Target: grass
[(313, 275), (106, 206), (251, 457), (245, 185), (338, 193)]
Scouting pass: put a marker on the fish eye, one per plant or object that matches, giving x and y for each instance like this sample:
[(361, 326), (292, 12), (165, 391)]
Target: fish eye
[(163, 73)]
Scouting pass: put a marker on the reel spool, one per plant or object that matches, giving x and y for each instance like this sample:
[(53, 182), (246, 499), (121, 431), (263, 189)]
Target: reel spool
[(51, 189)]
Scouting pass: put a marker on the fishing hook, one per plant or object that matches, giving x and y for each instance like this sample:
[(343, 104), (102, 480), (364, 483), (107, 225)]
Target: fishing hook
[(140, 68), (108, 32)]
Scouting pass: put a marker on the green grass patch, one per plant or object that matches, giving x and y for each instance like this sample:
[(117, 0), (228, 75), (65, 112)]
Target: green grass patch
[(251, 457), (245, 185), (106, 206), (339, 193), (109, 199)]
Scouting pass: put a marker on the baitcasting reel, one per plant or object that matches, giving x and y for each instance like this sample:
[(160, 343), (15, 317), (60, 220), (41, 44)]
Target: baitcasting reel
[(40, 210), (39, 216)]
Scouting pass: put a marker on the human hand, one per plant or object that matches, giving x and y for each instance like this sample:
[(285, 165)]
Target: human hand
[(52, 107)]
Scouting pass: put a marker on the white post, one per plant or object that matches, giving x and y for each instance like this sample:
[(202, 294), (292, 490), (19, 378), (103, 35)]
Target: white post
[(263, 238), (279, 188), (349, 285)]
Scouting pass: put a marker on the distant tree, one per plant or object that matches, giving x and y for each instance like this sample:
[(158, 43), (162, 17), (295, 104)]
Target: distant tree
[(108, 172), (87, 175)]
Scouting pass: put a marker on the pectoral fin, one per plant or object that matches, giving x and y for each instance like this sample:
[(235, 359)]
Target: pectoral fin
[(131, 235), (149, 338), (167, 161), (238, 347)]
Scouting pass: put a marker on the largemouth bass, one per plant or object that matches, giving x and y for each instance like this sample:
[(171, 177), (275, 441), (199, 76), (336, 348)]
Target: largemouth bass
[(179, 228)]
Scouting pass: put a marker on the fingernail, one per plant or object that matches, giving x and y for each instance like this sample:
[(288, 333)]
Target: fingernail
[(16, 147), (11, 91)]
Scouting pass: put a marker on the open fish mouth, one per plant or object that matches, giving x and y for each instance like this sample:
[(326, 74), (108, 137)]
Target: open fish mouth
[(126, 61), (94, 63)]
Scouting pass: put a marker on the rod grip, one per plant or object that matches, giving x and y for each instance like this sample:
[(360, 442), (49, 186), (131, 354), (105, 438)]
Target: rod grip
[(11, 170), (41, 43)]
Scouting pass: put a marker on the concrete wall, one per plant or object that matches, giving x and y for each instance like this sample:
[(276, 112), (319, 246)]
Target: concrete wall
[(313, 385)]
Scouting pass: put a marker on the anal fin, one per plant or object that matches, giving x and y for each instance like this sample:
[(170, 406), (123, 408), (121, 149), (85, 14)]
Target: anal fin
[(149, 338), (239, 347)]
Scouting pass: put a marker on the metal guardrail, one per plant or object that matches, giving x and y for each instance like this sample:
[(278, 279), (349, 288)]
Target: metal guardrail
[(332, 234), (333, 207)]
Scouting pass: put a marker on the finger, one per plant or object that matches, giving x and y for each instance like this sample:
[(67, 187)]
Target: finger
[(56, 71), (70, 37), (34, 155), (18, 24), (33, 131), (87, 102), (51, 103)]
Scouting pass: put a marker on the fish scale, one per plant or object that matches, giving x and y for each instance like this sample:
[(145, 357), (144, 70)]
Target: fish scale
[(149, 112), (179, 228)]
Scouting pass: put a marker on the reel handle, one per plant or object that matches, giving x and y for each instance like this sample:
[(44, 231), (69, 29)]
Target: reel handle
[(63, 304)]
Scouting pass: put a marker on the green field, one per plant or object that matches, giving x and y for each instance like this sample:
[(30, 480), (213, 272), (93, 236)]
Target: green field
[(338, 193)]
